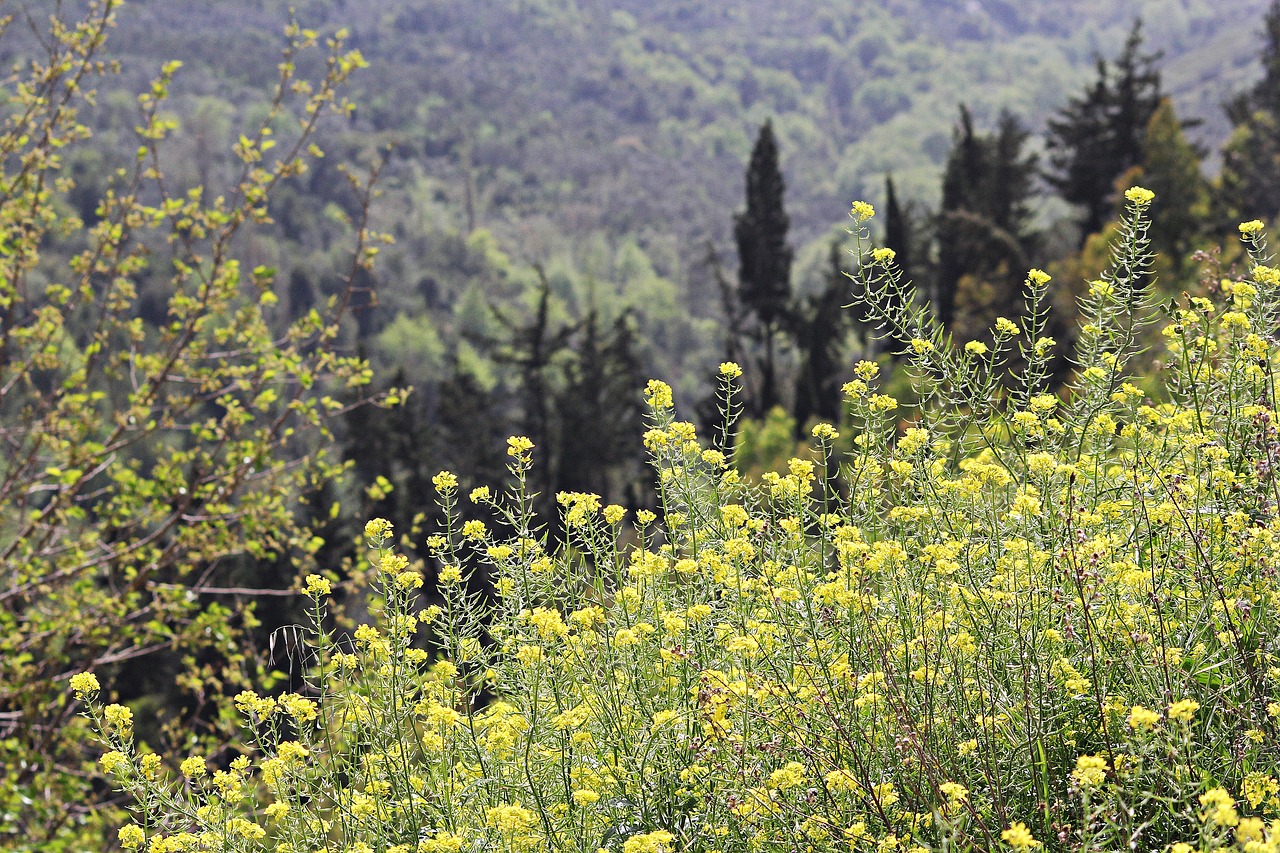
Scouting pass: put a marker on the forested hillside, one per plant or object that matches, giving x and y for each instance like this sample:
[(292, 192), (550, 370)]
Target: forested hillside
[(286, 271), (605, 141), (635, 118)]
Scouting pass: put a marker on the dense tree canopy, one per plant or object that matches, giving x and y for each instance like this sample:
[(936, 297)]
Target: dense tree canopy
[(1099, 134)]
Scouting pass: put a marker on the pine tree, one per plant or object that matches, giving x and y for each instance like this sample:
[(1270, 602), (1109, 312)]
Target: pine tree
[(764, 258), (1249, 184), (1099, 135), (900, 234), (898, 230), (1171, 169), (821, 328), (985, 232)]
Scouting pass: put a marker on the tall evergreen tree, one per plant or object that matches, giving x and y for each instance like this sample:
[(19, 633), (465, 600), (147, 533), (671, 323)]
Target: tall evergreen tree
[(599, 411), (900, 235), (985, 232), (820, 332), (897, 229), (1264, 96), (1099, 135), (764, 258), (1171, 169), (1249, 184)]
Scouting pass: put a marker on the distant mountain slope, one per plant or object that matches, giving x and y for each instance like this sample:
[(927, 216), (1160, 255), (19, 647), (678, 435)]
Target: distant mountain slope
[(637, 116)]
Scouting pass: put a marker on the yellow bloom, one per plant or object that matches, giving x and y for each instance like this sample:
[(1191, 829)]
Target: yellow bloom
[(662, 718), (1090, 772), (651, 842), (131, 836), (1019, 837), (730, 370), (409, 580), (1143, 719), (291, 751), (862, 211), (790, 776), (1038, 278), (825, 432), (85, 684), (298, 708), (1250, 228), (119, 717), (1219, 808), (975, 348), (193, 767), (658, 395), (112, 760), (883, 256), (510, 819), (445, 482), (1183, 710), (317, 586), (1259, 787), (1139, 196), (518, 447), (1005, 326), (377, 531)]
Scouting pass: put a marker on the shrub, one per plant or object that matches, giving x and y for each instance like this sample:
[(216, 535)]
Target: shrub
[(1020, 619), (143, 442)]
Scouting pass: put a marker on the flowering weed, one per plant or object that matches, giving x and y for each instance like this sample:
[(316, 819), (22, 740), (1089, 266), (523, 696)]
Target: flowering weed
[(1026, 619)]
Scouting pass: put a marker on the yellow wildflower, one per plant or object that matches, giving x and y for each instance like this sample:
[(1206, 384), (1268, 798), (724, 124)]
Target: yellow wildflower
[(1019, 837), (1139, 196), (85, 684)]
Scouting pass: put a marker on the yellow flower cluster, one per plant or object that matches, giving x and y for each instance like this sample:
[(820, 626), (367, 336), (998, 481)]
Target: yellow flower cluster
[(960, 616)]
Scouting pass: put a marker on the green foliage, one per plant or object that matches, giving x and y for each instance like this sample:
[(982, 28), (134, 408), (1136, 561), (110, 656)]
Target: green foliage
[(985, 230), (1171, 169), (1099, 135), (1019, 621), (144, 445), (764, 259), (1251, 157)]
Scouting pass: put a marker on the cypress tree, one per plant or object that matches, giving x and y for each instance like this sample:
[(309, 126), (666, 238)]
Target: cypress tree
[(960, 180), (821, 333), (1171, 169), (897, 229), (984, 228), (1099, 135), (764, 258), (898, 235), (1249, 185)]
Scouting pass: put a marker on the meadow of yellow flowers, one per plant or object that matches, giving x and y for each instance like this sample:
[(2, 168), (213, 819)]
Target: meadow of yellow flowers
[(993, 616)]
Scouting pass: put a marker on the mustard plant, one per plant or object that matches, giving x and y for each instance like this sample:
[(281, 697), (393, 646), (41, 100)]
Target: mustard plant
[(1012, 618)]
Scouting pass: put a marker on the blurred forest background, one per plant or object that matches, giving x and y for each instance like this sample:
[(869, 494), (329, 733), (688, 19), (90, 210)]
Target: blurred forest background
[(587, 193), (563, 179)]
